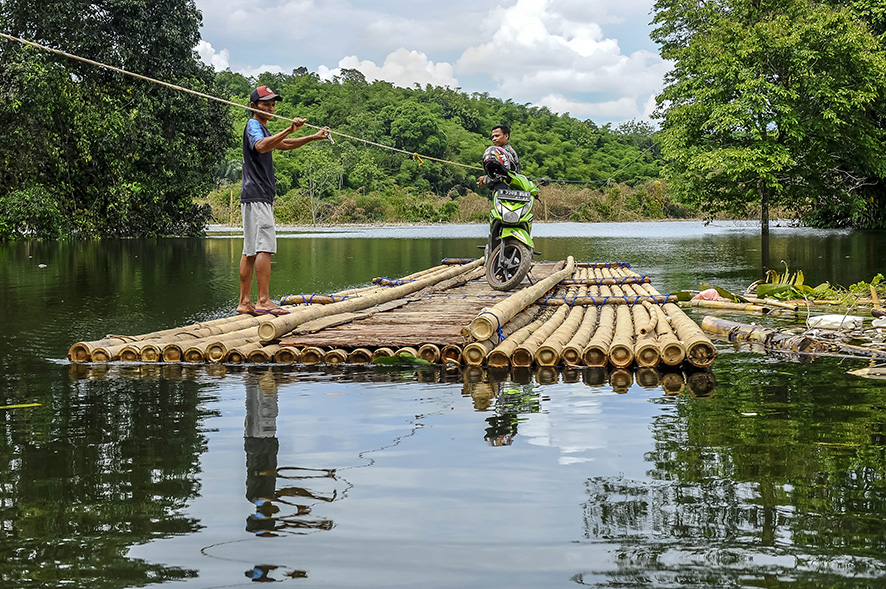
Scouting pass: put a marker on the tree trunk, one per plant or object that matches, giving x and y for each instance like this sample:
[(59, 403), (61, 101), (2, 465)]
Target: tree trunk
[(764, 228)]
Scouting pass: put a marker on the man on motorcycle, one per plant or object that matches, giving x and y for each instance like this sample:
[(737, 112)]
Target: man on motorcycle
[(501, 137)]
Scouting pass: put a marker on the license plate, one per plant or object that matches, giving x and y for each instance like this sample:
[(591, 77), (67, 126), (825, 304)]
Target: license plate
[(515, 195)]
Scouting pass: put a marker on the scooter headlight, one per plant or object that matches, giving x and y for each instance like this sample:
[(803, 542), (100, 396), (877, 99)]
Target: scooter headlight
[(512, 217)]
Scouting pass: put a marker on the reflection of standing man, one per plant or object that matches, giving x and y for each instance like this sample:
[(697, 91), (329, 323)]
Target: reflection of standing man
[(261, 445)]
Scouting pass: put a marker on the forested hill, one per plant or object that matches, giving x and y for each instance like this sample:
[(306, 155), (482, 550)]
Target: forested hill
[(442, 123)]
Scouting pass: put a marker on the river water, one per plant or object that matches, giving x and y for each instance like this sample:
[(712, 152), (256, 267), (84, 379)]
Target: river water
[(767, 472)]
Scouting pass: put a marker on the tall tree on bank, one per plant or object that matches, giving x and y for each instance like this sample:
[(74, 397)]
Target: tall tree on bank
[(89, 151), (770, 102)]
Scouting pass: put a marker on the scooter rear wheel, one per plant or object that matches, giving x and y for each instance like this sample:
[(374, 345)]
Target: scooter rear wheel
[(508, 265)]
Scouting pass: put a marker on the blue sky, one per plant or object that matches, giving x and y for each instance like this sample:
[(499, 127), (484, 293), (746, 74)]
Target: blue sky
[(591, 58)]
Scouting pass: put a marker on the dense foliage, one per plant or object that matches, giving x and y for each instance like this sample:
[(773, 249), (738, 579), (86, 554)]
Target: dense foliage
[(357, 182), (775, 102), (89, 151)]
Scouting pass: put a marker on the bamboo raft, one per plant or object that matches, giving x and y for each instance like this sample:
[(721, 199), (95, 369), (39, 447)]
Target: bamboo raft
[(569, 313)]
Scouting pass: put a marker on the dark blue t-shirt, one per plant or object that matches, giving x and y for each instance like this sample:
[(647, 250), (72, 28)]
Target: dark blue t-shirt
[(259, 182)]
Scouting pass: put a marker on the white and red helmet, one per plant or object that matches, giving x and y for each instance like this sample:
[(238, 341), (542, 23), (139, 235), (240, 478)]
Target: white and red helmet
[(497, 162)]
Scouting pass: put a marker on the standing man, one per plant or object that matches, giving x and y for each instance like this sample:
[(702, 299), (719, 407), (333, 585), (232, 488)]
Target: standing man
[(257, 198), (501, 137)]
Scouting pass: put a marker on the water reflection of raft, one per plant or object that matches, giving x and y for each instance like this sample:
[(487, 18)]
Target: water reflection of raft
[(569, 314)]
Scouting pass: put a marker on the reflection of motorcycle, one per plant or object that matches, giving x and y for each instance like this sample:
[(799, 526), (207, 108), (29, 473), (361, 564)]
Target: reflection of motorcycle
[(510, 404), (509, 249)]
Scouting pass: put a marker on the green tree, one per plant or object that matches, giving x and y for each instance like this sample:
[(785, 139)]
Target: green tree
[(116, 155), (769, 102)]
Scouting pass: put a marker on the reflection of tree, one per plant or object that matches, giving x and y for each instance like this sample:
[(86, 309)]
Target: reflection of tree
[(774, 477), (109, 464)]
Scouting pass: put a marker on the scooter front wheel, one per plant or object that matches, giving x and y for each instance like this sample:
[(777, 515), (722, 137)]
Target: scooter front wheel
[(508, 265)]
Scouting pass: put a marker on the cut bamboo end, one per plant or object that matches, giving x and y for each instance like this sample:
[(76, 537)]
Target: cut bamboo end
[(215, 352), (337, 356), (287, 355), (382, 352), (267, 331), (429, 352), (407, 351), (595, 355), (150, 353), (673, 353), (482, 328), (102, 355), (521, 357), (474, 354), (498, 359), (235, 356), (172, 353), (547, 356), (700, 352), (312, 355), (571, 356), (647, 355), (79, 352), (621, 355), (451, 353), (360, 356), (130, 354), (262, 355), (193, 355)]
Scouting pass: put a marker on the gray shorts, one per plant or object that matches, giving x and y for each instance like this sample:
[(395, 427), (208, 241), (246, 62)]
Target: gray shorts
[(258, 228)]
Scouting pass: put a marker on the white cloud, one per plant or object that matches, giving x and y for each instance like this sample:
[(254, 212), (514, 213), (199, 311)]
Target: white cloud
[(551, 49), (401, 68), (217, 59), (563, 54)]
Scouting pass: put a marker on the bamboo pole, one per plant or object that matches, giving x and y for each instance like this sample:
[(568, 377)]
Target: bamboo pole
[(646, 352), (607, 281), (524, 354), (651, 323), (729, 306), (274, 328), (621, 350), (500, 356), (336, 356), (360, 356), (700, 351), (769, 338), (285, 354), (673, 352), (382, 352), (596, 352), (312, 355), (216, 350), (475, 352), (240, 354), (486, 324), (572, 351), (111, 345), (429, 352), (550, 351), (452, 353), (772, 303)]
